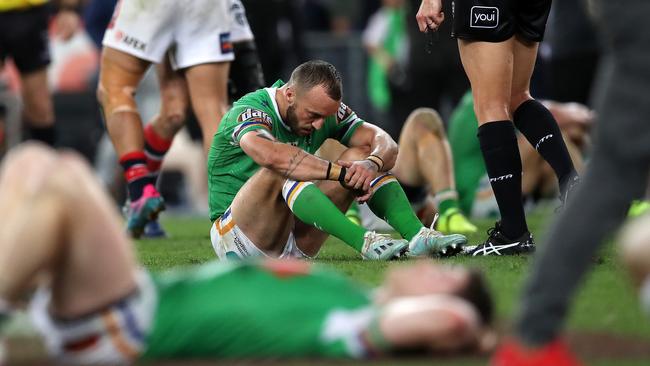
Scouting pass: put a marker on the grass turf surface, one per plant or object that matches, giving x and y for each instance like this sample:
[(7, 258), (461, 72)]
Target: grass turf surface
[(606, 303)]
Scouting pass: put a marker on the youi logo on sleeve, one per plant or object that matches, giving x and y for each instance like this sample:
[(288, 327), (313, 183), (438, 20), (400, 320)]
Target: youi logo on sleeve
[(484, 17)]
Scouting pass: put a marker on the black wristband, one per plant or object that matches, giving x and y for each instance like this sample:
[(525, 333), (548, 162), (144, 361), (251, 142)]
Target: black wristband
[(342, 175), (329, 169)]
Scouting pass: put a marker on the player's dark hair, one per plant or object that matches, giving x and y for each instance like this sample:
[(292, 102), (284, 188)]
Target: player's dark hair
[(477, 293), (318, 72)]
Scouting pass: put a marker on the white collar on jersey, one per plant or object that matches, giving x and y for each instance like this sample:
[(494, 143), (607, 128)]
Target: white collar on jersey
[(272, 92)]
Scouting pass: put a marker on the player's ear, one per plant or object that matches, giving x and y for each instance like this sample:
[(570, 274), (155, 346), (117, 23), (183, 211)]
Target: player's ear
[(290, 94)]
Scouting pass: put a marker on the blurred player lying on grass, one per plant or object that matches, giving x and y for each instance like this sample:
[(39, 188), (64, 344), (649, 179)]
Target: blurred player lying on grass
[(271, 196), (94, 305)]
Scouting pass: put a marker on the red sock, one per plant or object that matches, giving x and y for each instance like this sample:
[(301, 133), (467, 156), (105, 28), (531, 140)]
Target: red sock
[(135, 173), (155, 148)]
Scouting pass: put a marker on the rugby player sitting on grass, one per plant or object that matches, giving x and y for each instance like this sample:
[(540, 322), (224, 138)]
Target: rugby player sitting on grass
[(269, 195), (95, 306)]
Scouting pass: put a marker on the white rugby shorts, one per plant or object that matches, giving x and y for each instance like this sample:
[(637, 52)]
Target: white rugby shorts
[(230, 242), (194, 31), (115, 335)]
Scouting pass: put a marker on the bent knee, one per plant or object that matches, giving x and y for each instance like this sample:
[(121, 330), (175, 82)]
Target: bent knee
[(423, 120), (174, 120), (28, 156), (355, 153), (635, 245), (116, 89)]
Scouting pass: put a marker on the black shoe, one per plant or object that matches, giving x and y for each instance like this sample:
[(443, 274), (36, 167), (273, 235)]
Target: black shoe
[(498, 244)]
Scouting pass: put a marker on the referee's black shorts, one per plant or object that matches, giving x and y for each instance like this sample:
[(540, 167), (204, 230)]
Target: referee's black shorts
[(498, 20), (23, 37)]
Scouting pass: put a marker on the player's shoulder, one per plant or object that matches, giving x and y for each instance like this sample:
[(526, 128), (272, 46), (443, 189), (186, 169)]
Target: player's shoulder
[(250, 108), (344, 115)]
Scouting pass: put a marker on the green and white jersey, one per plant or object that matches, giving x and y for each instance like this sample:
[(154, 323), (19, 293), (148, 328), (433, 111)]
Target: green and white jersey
[(257, 310), (228, 165)]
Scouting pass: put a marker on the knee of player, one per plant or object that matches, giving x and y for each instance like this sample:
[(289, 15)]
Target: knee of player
[(116, 98), (635, 247), (174, 120), (355, 153), (425, 120), (29, 155), (518, 98)]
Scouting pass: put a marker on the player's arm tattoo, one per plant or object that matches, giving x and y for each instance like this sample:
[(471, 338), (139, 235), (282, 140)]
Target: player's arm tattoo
[(294, 162), (264, 134)]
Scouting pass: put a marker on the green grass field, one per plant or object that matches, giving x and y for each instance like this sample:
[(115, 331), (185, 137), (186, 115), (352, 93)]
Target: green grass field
[(605, 313)]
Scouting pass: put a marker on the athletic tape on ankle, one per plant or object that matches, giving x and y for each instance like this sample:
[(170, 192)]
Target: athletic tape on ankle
[(644, 295)]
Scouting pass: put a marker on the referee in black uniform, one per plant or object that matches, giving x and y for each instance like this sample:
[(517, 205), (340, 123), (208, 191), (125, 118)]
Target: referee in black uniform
[(498, 42)]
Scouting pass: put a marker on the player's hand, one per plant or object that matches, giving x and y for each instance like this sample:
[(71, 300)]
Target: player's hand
[(430, 15), (359, 174), (67, 22)]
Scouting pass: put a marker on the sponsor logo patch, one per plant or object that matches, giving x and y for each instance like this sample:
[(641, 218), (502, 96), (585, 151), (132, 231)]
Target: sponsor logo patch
[(484, 17), (254, 115), (130, 41), (226, 44)]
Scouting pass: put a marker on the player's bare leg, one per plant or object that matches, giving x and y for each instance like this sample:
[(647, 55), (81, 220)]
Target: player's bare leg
[(268, 195), (425, 159), (174, 101), (159, 132), (38, 110), (207, 84), (260, 201), (489, 67), (120, 74), (77, 225)]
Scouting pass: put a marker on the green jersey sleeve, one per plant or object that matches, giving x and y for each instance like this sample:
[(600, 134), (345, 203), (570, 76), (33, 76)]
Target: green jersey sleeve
[(247, 120), (347, 122)]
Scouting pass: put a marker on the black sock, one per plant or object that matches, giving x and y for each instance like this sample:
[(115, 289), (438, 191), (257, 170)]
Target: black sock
[(503, 164), (46, 135), (535, 122)]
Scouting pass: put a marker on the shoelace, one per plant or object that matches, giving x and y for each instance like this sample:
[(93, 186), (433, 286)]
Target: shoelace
[(433, 232), (371, 238), (374, 236), (491, 232)]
